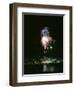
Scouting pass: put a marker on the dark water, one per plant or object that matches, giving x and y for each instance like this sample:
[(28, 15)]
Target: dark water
[(43, 68)]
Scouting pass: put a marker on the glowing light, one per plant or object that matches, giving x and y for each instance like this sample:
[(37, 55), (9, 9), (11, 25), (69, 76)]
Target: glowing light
[(51, 47)]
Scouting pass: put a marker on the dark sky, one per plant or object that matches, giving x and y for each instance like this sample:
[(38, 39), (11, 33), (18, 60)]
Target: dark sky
[(33, 24)]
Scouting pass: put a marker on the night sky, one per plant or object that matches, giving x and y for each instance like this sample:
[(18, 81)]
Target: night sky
[(33, 24)]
